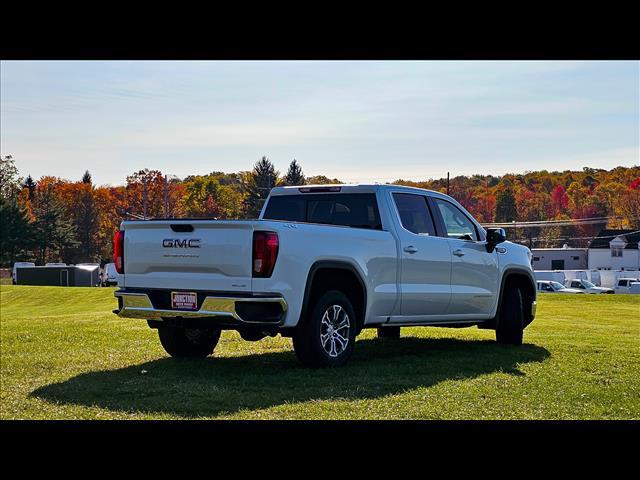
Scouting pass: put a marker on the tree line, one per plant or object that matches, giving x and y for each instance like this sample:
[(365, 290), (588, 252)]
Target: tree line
[(54, 219)]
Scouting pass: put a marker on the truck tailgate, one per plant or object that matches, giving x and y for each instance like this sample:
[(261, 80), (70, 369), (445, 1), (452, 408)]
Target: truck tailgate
[(215, 255)]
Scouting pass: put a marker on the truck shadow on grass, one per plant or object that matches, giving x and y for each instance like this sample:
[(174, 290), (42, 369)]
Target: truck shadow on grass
[(219, 386)]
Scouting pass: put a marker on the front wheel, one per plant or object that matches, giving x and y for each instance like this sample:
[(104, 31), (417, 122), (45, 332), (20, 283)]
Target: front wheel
[(188, 342), (510, 321), (326, 338)]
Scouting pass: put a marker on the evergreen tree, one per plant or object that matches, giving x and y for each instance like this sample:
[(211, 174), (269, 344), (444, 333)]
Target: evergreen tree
[(86, 178), (85, 219), (294, 174), (15, 232), (30, 185), (258, 184), (506, 206), (52, 231)]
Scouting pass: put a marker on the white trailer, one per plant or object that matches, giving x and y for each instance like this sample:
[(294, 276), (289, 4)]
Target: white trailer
[(576, 274), (552, 275)]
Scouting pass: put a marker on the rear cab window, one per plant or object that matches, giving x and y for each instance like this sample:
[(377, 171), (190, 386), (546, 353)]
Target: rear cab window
[(356, 210)]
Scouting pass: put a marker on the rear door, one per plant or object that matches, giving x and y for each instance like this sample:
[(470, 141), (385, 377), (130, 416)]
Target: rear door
[(189, 255), (474, 271), (425, 267)]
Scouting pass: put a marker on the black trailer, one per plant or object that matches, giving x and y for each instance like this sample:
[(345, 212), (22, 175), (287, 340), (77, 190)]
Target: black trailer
[(59, 276)]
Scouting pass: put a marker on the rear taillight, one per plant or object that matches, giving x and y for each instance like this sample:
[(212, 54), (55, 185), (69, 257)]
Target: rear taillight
[(265, 253), (118, 251)]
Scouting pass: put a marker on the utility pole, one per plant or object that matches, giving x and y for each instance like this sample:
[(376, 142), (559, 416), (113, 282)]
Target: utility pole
[(144, 198), (447, 183), (166, 196)]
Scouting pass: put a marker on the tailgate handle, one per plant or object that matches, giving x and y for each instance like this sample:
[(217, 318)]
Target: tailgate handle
[(182, 227)]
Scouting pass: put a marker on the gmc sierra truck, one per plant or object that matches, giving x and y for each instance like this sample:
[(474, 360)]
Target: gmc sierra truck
[(320, 264)]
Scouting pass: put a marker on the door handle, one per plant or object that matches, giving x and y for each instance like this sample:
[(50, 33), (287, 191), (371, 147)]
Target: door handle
[(410, 249), (458, 252)]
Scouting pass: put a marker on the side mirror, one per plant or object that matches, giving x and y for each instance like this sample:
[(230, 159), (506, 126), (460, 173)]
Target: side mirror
[(494, 237)]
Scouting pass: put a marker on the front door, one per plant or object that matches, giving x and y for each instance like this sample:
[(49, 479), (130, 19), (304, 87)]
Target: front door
[(426, 260), (474, 272)]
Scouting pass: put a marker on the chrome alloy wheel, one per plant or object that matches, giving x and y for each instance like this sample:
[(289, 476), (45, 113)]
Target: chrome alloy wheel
[(334, 330)]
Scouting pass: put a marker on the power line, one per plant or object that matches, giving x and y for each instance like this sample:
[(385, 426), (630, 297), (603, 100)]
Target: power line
[(551, 223), (537, 239)]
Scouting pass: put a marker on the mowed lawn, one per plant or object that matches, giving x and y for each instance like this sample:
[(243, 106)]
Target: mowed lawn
[(64, 355)]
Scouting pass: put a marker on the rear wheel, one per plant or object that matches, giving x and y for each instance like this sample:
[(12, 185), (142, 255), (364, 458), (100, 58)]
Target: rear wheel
[(510, 321), (389, 332), (188, 342), (327, 336)]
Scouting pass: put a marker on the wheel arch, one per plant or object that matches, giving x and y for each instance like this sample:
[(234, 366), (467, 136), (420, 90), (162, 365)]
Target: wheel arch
[(525, 281), (325, 275)]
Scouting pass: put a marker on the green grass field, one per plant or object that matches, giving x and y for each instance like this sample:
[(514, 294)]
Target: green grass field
[(66, 356)]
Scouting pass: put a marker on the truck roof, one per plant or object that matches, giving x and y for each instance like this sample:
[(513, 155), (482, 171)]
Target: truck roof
[(345, 188)]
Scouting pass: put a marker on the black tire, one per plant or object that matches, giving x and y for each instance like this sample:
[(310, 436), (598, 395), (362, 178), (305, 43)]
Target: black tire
[(389, 332), (188, 342), (510, 321), (307, 339)]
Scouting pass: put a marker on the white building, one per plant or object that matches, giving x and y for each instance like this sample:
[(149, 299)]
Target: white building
[(564, 258), (614, 250)]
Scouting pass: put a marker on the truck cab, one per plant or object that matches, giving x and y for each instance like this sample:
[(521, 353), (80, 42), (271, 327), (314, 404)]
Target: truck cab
[(623, 285), (587, 286)]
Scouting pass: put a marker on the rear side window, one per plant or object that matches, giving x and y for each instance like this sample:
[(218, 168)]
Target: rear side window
[(291, 208), (414, 213), (357, 210)]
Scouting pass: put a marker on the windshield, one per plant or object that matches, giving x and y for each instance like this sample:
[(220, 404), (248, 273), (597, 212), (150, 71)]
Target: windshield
[(588, 284), (556, 285)]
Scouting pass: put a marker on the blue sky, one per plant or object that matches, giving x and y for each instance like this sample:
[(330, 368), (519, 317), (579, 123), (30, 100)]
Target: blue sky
[(357, 121)]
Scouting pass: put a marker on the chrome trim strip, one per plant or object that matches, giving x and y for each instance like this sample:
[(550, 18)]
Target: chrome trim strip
[(138, 305)]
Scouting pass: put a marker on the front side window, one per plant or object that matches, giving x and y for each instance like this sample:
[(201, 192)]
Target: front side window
[(414, 213), (457, 223)]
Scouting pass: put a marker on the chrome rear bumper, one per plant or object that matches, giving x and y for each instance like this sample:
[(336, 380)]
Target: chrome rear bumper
[(138, 305)]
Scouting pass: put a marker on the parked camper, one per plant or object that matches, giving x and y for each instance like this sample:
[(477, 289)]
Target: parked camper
[(19, 264), (67, 276), (623, 285), (552, 275), (109, 275)]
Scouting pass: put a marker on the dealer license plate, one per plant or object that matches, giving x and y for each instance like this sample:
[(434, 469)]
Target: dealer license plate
[(184, 300)]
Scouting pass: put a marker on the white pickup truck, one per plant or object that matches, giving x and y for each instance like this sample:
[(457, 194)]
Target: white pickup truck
[(319, 265)]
